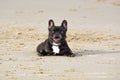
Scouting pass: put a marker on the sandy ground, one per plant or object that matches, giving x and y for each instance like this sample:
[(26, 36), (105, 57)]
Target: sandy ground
[(93, 35)]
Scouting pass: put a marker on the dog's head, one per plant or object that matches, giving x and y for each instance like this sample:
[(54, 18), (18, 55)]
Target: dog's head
[(57, 33)]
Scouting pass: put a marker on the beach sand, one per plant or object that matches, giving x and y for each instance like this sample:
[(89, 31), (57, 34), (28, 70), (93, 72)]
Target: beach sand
[(93, 35)]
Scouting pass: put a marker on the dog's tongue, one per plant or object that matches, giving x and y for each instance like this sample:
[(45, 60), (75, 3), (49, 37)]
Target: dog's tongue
[(56, 40)]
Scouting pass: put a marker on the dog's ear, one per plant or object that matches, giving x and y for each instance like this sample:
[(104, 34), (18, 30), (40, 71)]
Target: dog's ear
[(64, 24), (50, 23)]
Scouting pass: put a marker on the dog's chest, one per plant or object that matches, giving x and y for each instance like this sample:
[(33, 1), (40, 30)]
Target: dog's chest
[(56, 48)]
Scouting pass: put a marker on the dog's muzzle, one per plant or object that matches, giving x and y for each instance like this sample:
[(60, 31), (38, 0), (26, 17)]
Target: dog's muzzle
[(57, 39)]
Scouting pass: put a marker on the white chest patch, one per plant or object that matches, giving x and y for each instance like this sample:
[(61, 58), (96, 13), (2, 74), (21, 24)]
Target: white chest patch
[(55, 48)]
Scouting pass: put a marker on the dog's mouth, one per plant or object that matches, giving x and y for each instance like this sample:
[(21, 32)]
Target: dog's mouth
[(57, 39)]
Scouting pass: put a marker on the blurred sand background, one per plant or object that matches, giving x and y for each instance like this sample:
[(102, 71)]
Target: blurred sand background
[(93, 35)]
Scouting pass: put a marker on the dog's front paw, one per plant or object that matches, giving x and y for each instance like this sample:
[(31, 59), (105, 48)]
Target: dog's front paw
[(42, 53), (71, 55), (39, 54)]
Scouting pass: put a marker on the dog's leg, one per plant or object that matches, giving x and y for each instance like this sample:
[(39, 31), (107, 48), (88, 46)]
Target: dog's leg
[(70, 54), (40, 49), (42, 52)]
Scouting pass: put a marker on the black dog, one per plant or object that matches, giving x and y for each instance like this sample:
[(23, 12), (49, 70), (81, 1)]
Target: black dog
[(56, 43)]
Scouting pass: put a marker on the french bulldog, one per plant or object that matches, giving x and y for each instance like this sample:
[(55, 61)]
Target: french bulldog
[(56, 43)]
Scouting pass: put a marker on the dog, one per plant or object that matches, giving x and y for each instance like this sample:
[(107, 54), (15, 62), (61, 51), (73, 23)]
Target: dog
[(56, 43)]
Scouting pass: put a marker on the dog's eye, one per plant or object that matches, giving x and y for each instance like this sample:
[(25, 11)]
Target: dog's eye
[(53, 31), (62, 32)]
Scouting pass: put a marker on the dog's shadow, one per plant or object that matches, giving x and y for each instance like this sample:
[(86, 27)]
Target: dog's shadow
[(92, 52)]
